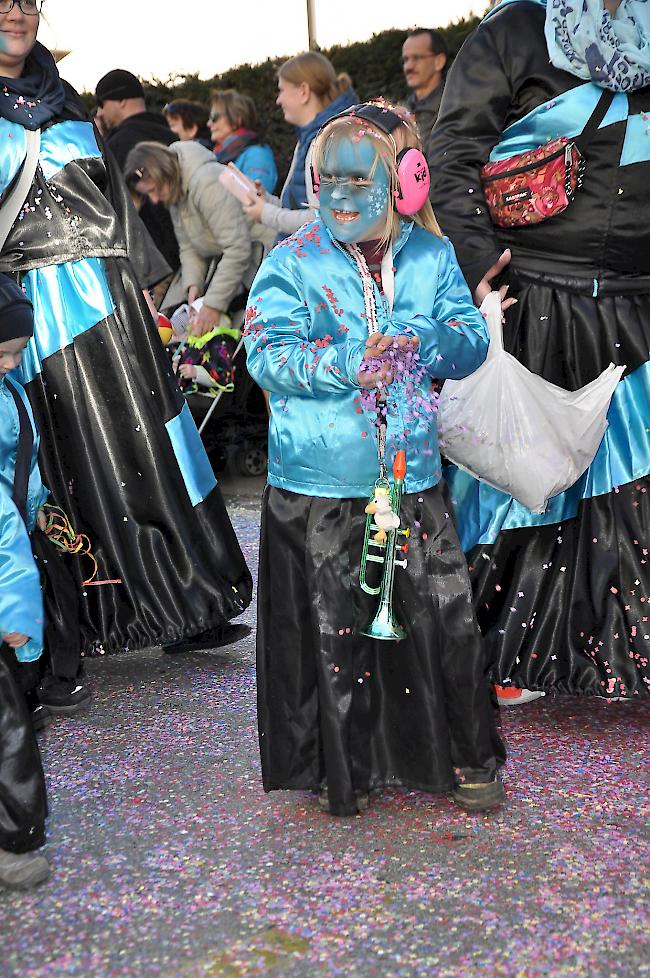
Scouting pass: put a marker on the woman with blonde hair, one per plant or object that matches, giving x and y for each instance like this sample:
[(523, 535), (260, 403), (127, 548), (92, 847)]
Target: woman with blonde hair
[(208, 223), (309, 93), (350, 321), (233, 127)]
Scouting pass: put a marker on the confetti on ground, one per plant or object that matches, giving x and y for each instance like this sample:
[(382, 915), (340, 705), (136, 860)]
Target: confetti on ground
[(170, 862)]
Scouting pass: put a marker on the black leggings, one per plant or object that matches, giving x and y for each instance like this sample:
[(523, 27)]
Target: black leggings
[(23, 803)]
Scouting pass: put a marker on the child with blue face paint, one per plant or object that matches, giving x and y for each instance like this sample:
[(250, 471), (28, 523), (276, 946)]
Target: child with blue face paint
[(350, 323)]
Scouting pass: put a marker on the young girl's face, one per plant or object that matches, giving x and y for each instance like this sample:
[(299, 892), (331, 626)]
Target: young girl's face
[(11, 353), (354, 190)]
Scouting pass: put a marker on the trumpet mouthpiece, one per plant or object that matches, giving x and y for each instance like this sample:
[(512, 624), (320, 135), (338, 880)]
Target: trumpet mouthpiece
[(399, 465)]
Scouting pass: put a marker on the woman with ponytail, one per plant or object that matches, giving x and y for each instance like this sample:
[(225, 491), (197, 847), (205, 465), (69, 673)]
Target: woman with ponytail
[(309, 93)]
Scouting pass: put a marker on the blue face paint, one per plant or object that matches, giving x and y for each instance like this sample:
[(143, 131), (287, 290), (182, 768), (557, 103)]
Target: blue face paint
[(353, 200)]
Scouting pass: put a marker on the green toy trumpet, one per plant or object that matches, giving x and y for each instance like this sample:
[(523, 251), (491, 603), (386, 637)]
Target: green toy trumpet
[(383, 534)]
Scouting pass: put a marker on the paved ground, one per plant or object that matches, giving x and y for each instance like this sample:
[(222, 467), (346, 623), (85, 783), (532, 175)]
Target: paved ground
[(170, 862)]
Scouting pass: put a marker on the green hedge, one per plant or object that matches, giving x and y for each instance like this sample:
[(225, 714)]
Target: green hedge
[(373, 65)]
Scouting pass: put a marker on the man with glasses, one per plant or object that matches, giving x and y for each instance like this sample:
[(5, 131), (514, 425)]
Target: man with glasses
[(424, 60)]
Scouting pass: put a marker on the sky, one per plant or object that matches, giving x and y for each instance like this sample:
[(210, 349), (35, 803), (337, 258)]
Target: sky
[(159, 38)]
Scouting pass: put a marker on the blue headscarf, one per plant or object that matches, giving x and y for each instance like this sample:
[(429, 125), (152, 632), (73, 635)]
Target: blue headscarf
[(37, 96), (613, 52)]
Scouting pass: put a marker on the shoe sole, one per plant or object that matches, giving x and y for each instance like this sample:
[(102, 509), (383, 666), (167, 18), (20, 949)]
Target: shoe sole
[(29, 882), (69, 711), (520, 700), (487, 800)]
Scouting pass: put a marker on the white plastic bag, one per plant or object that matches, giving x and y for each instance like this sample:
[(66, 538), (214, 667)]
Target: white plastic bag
[(510, 428)]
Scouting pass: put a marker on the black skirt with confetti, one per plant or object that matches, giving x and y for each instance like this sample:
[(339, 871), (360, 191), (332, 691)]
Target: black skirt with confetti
[(563, 598), (356, 713)]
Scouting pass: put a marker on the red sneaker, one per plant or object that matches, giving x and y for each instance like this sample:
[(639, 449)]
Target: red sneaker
[(513, 696)]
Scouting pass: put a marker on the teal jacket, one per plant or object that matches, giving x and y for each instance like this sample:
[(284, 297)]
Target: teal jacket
[(21, 600), (305, 338), (21, 603)]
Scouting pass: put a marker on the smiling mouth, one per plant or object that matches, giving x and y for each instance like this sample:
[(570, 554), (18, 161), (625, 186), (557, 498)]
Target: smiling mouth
[(345, 217)]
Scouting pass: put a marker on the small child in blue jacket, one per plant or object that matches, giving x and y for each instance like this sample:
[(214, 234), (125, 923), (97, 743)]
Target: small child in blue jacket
[(22, 494), (57, 685), (350, 323)]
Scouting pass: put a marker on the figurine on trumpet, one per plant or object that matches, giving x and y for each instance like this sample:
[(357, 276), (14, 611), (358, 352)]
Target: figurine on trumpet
[(370, 668)]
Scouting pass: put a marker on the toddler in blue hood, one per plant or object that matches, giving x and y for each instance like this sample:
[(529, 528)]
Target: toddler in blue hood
[(351, 321)]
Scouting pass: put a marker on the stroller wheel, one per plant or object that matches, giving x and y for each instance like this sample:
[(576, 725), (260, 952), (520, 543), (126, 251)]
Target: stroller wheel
[(251, 460)]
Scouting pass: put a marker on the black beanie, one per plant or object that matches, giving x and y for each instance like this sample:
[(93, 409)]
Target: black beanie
[(16, 311), (118, 84)]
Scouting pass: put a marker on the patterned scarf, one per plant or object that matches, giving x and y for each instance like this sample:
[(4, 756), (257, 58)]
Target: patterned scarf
[(613, 52)]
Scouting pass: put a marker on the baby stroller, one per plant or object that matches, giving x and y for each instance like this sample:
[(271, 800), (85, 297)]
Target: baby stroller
[(232, 422)]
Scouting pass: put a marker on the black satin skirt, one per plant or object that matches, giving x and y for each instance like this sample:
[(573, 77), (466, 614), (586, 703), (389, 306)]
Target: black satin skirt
[(23, 804), (565, 606), (101, 405), (358, 713)]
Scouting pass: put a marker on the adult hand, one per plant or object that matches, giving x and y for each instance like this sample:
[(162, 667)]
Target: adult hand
[(193, 293), (41, 520), (15, 639), (260, 189), (485, 285), (254, 209), (187, 371), (205, 320)]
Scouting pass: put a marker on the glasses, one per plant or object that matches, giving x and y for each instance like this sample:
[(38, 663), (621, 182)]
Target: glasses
[(417, 57), (214, 115), (29, 7)]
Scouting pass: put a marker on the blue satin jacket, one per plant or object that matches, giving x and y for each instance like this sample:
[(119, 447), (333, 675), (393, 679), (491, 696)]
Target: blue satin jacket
[(305, 337), (21, 604), (37, 493)]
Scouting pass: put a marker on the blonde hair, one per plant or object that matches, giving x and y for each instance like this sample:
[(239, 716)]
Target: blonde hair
[(238, 109), (387, 148), (153, 161), (318, 72)]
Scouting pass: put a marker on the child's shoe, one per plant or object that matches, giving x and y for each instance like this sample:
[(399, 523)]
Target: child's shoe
[(65, 697), (479, 797), (513, 696), (21, 871)]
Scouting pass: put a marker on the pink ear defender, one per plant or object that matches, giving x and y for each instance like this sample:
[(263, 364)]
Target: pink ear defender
[(413, 178), (413, 181)]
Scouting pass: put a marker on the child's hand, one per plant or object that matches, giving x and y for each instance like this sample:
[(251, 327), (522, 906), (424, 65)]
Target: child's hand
[(376, 370), (406, 342), (41, 520), (187, 371), (15, 639)]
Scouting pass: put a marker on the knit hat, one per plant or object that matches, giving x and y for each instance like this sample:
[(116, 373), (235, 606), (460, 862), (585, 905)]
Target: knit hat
[(16, 311), (118, 84)]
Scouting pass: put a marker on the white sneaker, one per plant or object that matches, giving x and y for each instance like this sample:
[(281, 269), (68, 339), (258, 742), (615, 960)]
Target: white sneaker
[(21, 871), (513, 696)]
